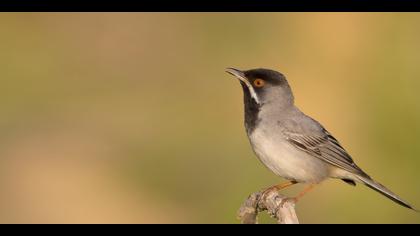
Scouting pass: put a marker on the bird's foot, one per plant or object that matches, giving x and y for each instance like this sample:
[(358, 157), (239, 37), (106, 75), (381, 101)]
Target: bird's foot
[(276, 188)]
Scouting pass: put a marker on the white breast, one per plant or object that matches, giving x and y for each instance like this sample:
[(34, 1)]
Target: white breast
[(284, 159)]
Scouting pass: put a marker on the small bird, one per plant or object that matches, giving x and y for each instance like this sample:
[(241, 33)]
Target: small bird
[(291, 144)]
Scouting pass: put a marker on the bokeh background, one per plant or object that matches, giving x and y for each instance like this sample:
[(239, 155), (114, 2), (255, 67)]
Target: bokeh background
[(130, 117)]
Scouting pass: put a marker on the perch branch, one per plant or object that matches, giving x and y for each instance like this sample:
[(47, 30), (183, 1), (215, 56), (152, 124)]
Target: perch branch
[(278, 206)]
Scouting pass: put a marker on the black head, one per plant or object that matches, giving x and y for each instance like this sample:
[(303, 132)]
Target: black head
[(263, 88), (264, 85), (270, 77)]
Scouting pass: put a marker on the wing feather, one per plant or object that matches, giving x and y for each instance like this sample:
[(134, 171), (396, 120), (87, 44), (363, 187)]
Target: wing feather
[(325, 147)]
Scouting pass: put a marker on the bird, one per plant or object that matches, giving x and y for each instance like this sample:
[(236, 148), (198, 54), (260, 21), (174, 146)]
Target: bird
[(290, 143)]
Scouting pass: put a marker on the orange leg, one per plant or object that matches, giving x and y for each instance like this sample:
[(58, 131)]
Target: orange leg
[(279, 187), (284, 185), (301, 194)]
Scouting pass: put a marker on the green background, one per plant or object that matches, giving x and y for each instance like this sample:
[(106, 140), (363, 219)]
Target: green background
[(130, 117)]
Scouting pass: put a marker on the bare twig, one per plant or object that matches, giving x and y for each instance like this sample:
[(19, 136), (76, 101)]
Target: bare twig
[(278, 206)]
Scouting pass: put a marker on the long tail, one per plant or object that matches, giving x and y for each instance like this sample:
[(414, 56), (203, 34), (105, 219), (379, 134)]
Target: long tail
[(383, 190)]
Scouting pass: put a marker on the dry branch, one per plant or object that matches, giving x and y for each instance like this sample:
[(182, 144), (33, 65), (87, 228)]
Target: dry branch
[(278, 206)]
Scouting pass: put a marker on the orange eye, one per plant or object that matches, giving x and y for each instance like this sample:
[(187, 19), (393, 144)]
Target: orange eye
[(259, 83)]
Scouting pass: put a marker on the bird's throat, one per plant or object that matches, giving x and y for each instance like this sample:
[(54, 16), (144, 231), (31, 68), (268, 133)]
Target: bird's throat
[(252, 108)]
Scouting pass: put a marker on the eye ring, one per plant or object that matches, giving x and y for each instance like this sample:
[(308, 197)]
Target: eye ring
[(259, 83)]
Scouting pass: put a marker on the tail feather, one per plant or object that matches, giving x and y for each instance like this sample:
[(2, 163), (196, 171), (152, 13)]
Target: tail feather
[(383, 190)]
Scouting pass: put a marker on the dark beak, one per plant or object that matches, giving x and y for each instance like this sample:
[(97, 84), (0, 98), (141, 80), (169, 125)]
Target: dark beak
[(235, 72), (238, 74), (241, 76)]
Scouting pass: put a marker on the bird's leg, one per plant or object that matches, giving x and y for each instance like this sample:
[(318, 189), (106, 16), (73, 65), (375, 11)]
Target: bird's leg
[(301, 194), (278, 187), (284, 185)]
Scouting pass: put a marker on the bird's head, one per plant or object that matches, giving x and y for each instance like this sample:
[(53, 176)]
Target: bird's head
[(264, 86)]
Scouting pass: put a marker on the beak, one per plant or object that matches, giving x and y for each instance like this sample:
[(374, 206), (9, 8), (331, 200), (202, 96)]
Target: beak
[(241, 76), (238, 74)]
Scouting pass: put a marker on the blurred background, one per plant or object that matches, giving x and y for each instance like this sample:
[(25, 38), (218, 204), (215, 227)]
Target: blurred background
[(130, 117)]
